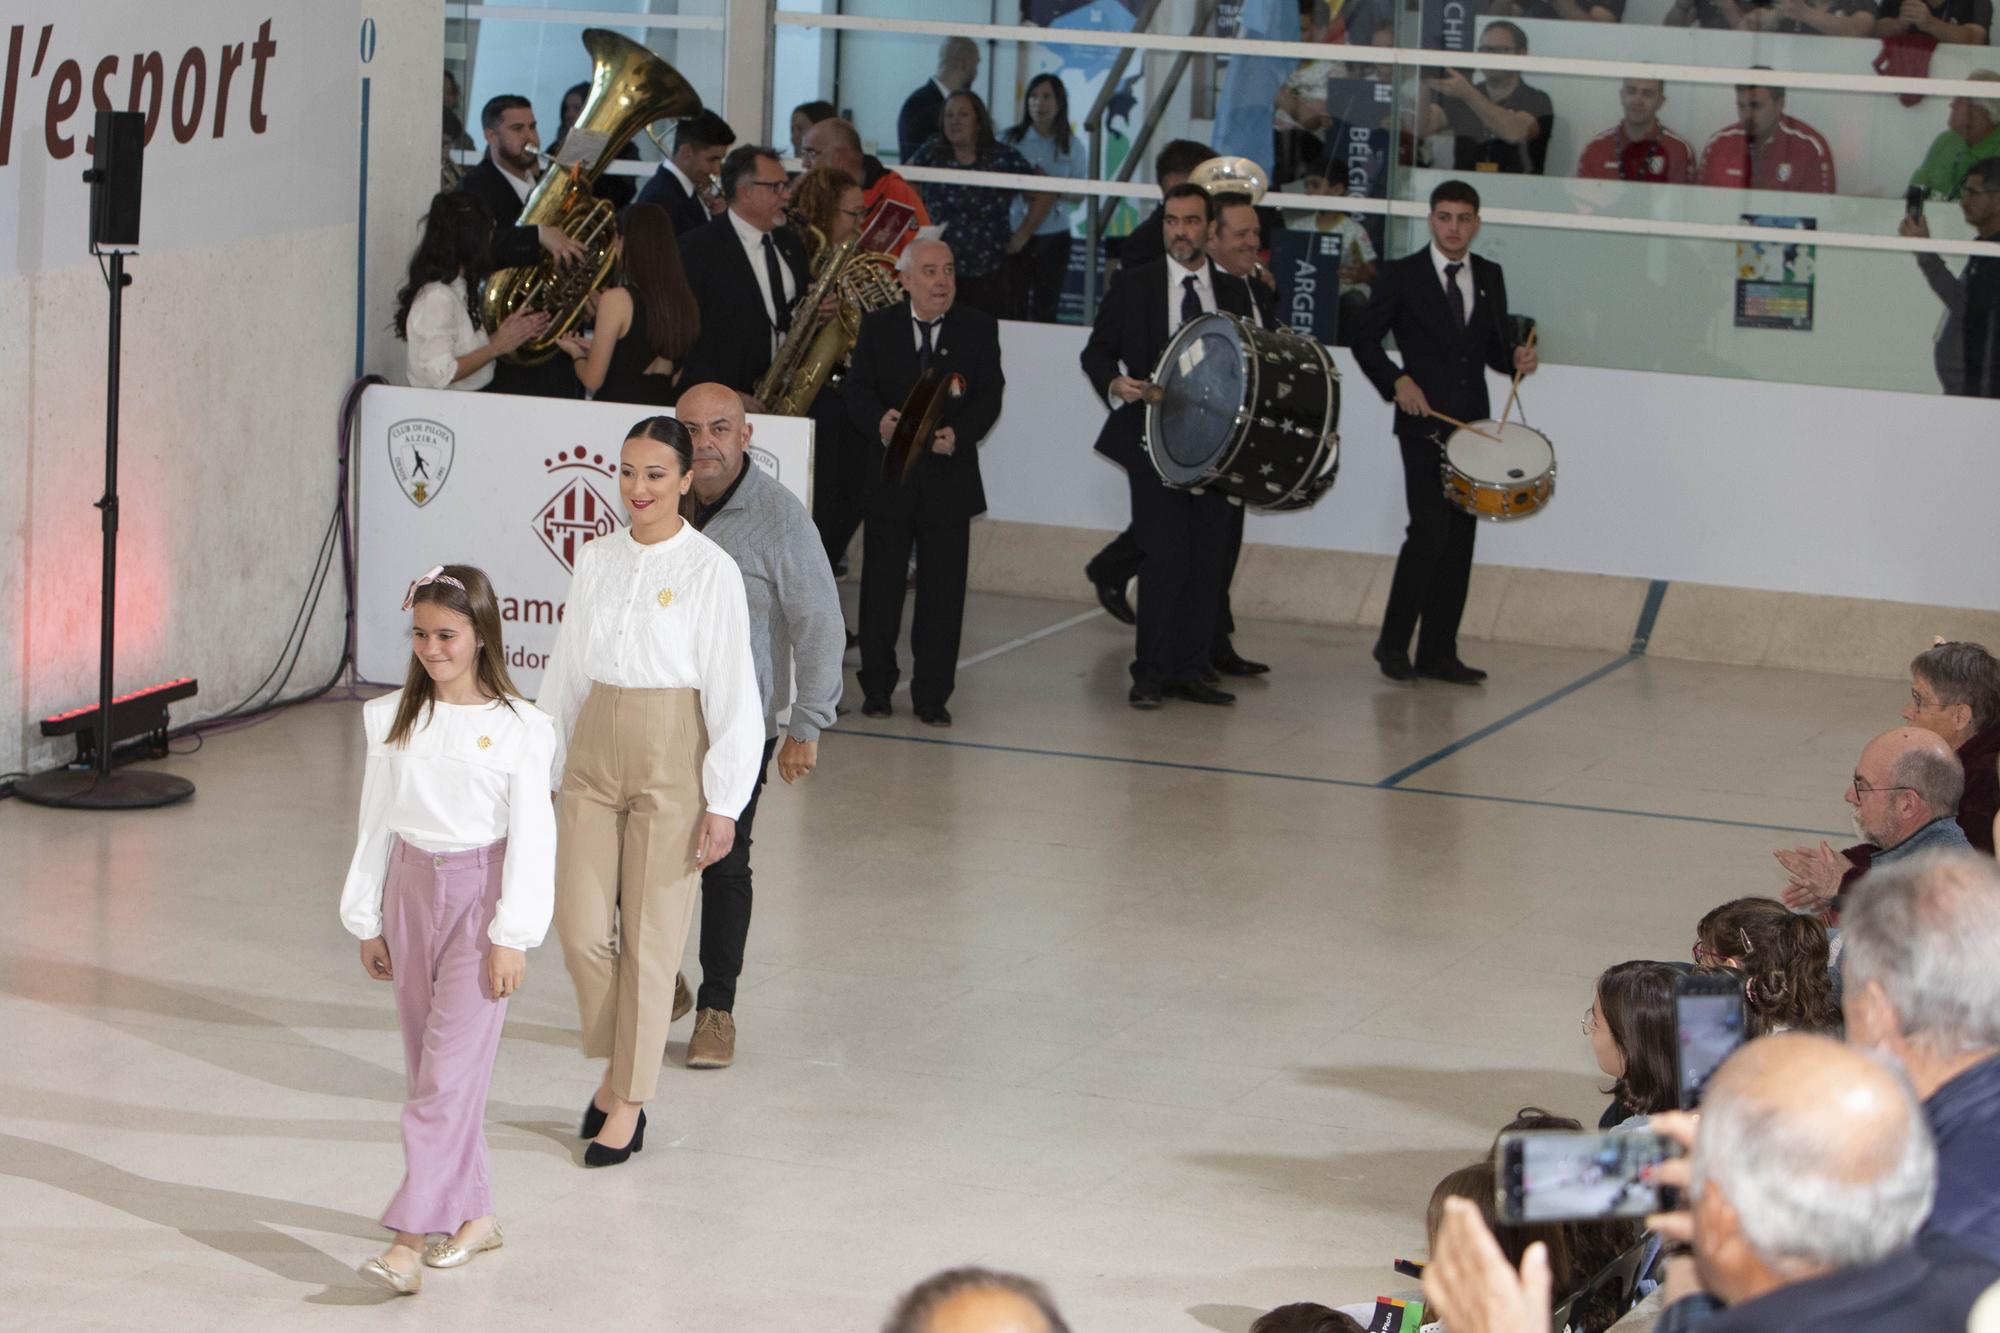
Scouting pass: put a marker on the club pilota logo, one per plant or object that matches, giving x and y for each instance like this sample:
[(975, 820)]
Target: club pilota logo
[(420, 453)]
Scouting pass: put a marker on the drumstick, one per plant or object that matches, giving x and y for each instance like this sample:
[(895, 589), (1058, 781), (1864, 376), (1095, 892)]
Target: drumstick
[(1454, 421), (1513, 393)]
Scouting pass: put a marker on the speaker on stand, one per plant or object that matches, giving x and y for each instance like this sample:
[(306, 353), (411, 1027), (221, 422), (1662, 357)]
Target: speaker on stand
[(114, 180)]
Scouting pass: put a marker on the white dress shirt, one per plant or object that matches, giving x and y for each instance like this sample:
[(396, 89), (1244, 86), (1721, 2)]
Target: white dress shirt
[(523, 185), (438, 332), (753, 245), (1438, 262), (468, 775), (670, 615), (1204, 287)]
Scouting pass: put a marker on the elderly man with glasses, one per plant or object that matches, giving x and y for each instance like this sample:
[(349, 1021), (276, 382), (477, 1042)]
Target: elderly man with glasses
[(1904, 796)]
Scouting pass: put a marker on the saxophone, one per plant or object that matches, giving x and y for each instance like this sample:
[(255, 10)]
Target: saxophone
[(814, 351)]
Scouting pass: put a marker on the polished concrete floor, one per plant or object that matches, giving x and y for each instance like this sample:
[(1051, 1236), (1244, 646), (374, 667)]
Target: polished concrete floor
[(1181, 1012)]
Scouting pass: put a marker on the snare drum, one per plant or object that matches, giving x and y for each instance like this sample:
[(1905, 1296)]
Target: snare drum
[(1247, 411), (1502, 479)]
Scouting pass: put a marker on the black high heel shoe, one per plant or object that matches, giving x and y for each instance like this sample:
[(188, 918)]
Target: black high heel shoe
[(593, 1121), (599, 1155)]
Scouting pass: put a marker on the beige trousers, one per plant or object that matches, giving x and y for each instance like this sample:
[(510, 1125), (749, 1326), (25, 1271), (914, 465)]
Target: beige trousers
[(626, 879)]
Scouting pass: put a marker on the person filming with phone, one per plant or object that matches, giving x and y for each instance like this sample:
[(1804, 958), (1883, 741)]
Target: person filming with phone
[(1967, 352)]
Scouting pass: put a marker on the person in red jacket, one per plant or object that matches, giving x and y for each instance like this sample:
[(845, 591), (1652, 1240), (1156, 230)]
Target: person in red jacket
[(1639, 147), (1766, 149)]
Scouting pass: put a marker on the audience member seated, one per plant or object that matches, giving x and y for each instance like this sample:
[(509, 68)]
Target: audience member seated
[(806, 115), (646, 321), (835, 143), (434, 309), (1475, 1183), (1630, 1024), (1765, 149), (1172, 165), (923, 110), (1639, 147), (1967, 352), (1971, 132), (1784, 959), (1595, 11), (976, 1300), (974, 216), (685, 183), (1707, 13), (1298, 110), (1497, 124), (1357, 250), (1961, 22), (1593, 1246), (1812, 1171), (1828, 18), (1038, 250), (1306, 1317), (617, 190)]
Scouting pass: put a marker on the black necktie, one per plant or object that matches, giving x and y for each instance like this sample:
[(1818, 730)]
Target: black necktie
[(1457, 296), (777, 274), (924, 329), (1190, 299)]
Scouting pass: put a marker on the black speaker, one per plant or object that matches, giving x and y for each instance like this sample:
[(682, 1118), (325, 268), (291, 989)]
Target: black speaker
[(114, 179)]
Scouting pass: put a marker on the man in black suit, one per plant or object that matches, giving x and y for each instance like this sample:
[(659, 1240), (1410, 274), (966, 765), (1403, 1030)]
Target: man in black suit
[(502, 181), (681, 184), (1447, 309), (957, 67), (932, 508), (746, 272), (1184, 536)]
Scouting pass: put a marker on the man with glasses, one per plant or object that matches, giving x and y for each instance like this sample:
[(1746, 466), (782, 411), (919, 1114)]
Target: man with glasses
[(1499, 123), (1904, 799), (1967, 353), (836, 143), (746, 272)]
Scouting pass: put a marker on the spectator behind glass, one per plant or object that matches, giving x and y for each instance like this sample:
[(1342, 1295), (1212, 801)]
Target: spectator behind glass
[(828, 201), (1784, 959), (1923, 989), (1967, 353), (1595, 11), (1498, 124), (434, 309), (645, 323), (1298, 113), (974, 217), (1039, 246), (921, 117), (1829, 18), (1638, 147), (976, 1300), (1357, 251), (1631, 1028), (1961, 22), (1971, 132), (1305, 1317), (804, 116), (617, 190), (1765, 149)]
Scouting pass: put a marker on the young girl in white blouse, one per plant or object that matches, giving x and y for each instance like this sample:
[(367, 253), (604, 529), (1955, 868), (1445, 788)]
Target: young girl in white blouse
[(453, 880), (660, 733), (434, 311)]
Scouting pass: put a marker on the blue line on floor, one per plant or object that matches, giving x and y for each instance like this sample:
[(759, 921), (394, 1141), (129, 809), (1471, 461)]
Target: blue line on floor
[(1331, 782), (1396, 778), (1649, 615)]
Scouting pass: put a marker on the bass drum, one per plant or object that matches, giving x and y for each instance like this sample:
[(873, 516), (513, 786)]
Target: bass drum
[(1247, 411)]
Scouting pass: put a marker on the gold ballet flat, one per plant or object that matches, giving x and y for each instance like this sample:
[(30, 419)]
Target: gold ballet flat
[(448, 1253), (384, 1276)]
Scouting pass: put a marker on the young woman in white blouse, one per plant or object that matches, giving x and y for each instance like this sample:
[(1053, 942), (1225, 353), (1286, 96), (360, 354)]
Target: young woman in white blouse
[(434, 310), (453, 880), (659, 735)]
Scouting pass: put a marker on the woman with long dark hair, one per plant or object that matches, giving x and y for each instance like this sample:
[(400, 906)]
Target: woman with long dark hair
[(645, 324), (659, 739), (1038, 249), (435, 311), (452, 881), (974, 217), (1630, 1024), (1783, 957)]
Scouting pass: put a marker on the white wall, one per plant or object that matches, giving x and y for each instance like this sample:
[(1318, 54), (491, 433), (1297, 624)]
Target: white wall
[(1793, 488)]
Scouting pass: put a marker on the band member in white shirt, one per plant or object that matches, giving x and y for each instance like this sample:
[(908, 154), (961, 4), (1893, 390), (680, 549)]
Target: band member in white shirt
[(453, 880), (659, 740)]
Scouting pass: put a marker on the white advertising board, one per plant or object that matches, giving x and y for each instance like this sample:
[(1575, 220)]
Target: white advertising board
[(511, 484)]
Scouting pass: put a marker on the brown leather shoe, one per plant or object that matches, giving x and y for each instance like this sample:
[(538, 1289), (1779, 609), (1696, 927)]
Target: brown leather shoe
[(683, 1001), (713, 1045)]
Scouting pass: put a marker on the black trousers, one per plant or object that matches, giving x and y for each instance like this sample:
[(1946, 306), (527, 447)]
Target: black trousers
[(943, 549), (1434, 568), (1119, 563), (840, 476), (1035, 278), (725, 907), (1184, 538)]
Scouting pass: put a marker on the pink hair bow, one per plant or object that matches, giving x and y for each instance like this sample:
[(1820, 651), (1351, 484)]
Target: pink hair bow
[(436, 575)]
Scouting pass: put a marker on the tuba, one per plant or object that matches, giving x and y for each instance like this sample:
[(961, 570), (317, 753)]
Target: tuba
[(813, 351), (1231, 175), (630, 88)]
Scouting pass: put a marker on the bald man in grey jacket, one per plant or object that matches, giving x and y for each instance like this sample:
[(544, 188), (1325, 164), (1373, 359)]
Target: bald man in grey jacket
[(796, 630)]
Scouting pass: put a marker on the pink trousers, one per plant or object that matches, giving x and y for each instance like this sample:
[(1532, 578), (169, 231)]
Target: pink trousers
[(435, 913)]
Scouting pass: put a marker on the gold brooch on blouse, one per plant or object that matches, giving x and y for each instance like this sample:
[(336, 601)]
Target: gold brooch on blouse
[(666, 597), (485, 742)]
